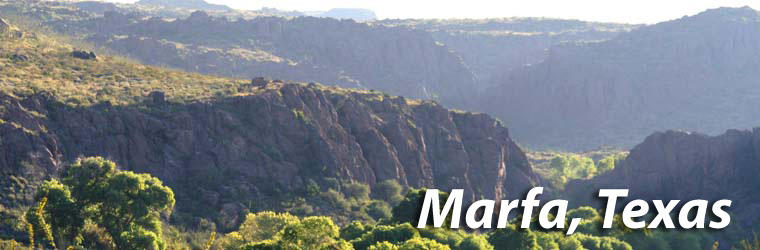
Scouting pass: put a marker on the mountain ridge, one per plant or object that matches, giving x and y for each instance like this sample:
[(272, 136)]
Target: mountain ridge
[(671, 75), (678, 165), (187, 4)]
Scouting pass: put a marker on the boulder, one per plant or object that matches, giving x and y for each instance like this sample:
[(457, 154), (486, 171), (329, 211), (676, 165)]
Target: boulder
[(19, 58), (259, 82), (157, 98), (84, 55)]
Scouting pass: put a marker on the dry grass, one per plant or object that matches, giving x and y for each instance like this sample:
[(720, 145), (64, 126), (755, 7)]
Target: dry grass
[(50, 67)]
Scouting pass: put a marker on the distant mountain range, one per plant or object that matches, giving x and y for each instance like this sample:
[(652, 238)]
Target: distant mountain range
[(695, 73), (357, 14), (558, 84), (361, 15), (187, 4), (493, 47)]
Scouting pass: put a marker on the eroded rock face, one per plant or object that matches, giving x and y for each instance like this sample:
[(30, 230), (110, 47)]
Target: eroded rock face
[(686, 166), (394, 60), (265, 146)]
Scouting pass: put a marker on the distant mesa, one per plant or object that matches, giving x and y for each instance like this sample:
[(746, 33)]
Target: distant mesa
[(356, 14), (186, 4)]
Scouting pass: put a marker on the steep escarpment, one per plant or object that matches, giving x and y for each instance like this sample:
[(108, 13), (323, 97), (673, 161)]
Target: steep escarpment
[(686, 166), (395, 60), (695, 73), (256, 150)]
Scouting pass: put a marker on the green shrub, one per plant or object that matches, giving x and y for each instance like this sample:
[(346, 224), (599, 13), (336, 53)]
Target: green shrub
[(356, 191), (389, 191), (379, 210)]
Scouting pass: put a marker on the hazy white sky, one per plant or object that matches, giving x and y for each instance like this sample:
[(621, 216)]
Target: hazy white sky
[(628, 11)]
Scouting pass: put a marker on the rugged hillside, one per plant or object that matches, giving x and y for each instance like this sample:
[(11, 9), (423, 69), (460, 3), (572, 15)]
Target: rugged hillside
[(395, 60), (228, 145), (494, 47), (685, 166), (696, 73), (445, 60)]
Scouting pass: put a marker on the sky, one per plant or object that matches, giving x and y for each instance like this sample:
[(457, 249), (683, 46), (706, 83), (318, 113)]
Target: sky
[(621, 11)]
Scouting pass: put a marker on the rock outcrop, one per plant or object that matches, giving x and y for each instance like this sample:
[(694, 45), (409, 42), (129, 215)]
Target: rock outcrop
[(84, 55), (260, 149), (686, 166)]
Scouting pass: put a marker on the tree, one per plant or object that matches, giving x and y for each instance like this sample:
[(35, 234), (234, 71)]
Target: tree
[(408, 210), (62, 215), (608, 163), (264, 225), (383, 246), (512, 238), (313, 232), (230, 241), (574, 166), (389, 191), (585, 212), (125, 204), (379, 210), (385, 233), (475, 242), (263, 245), (356, 191), (591, 220), (354, 230), (423, 244), (130, 210)]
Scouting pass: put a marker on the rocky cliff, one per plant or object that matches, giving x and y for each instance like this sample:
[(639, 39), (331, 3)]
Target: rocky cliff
[(259, 149), (695, 73), (395, 60), (686, 166)]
